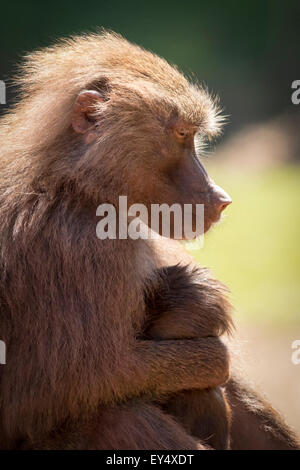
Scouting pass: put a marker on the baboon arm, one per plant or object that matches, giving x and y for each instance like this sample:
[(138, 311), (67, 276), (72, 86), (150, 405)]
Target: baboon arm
[(172, 365), (255, 424)]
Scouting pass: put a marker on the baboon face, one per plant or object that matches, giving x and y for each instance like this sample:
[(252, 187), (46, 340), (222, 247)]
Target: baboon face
[(186, 180), (152, 139)]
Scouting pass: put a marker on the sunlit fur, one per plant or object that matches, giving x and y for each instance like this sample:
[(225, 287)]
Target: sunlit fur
[(73, 308)]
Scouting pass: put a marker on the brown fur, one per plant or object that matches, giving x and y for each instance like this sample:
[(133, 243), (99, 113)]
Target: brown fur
[(135, 425), (72, 306), (183, 295), (78, 373), (255, 424)]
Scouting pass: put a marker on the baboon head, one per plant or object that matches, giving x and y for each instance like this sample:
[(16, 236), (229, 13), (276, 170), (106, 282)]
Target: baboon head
[(130, 123)]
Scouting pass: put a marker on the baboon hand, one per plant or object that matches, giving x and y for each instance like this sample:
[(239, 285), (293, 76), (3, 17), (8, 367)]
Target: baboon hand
[(187, 303)]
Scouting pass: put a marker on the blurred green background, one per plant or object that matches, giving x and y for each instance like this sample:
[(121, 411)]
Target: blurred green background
[(248, 53), (255, 249)]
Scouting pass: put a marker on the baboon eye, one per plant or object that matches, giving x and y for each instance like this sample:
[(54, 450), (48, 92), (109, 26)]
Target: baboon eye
[(183, 133), (180, 135)]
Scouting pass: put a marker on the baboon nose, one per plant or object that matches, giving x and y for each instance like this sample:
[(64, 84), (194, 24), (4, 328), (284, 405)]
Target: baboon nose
[(221, 199), (224, 204)]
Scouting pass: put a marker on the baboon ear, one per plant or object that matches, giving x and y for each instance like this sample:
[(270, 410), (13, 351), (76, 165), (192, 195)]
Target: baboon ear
[(83, 115)]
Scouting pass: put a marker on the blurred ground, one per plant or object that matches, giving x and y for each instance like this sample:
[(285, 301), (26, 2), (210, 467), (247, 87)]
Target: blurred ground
[(255, 251)]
